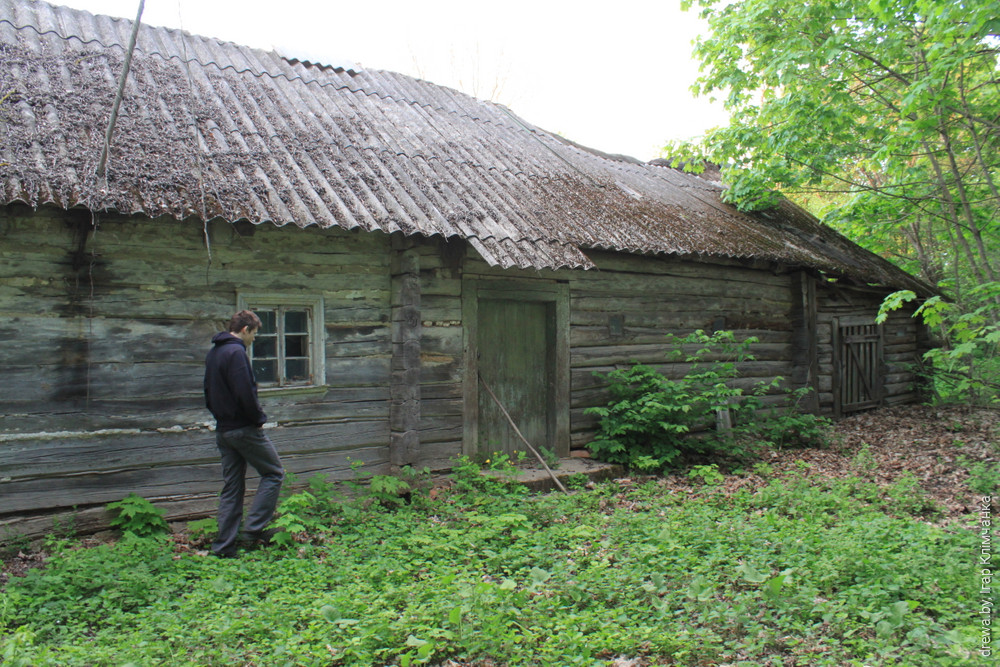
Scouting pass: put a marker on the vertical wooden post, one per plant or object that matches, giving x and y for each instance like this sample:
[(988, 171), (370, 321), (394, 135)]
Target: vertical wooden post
[(810, 346), (404, 405), (805, 344)]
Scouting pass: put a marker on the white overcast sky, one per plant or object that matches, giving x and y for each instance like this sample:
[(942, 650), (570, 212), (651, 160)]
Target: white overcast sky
[(614, 76)]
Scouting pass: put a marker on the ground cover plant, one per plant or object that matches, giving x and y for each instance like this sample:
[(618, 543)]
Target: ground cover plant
[(785, 563)]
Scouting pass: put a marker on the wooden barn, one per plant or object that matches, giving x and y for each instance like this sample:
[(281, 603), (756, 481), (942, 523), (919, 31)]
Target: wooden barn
[(398, 238)]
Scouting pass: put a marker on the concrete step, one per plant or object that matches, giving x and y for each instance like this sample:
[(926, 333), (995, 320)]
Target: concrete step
[(535, 477)]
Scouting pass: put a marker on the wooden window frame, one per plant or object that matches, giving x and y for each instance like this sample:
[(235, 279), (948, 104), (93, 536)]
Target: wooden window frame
[(317, 339)]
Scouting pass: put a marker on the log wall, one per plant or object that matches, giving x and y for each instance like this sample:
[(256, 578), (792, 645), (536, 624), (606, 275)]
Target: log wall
[(105, 322), (619, 313)]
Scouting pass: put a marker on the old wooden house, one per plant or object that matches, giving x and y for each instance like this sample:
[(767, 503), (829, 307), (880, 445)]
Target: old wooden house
[(398, 238)]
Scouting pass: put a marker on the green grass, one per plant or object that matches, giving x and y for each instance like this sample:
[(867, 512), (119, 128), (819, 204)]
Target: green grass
[(801, 572)]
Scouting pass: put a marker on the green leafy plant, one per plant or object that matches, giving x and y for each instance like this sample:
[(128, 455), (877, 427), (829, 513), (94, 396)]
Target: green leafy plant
[(549, 456), (984, 477), (649, 417), (202, 530), (967, 366), (389, 490), (136, 515), (650, 422), (555, 580), (495, 476), (786, 425), (863, 462), (302, 517), (905, 495), (708, 475)]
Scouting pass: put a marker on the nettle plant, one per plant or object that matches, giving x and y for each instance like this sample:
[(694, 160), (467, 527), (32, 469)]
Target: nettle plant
[(652, 420), (136, 515)]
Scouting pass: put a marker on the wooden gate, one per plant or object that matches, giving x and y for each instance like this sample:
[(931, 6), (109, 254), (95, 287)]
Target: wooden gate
[(858, 365)]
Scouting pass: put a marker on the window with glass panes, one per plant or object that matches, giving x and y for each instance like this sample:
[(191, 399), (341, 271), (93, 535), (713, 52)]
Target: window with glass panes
[(281, 352)]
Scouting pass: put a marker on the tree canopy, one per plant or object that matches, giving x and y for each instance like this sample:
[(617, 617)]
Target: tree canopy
[(888, 108), (884, 117)]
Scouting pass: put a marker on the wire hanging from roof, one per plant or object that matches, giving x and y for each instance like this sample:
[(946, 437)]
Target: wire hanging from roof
[(121, 91)]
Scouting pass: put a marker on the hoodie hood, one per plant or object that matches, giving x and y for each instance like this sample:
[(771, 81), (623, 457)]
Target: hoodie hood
[(225, 338)]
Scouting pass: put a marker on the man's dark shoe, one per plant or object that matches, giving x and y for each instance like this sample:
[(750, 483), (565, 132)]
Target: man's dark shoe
[(257, 540), (225, 554)]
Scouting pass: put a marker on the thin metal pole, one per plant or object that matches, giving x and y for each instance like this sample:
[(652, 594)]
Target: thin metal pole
[(121, 91)]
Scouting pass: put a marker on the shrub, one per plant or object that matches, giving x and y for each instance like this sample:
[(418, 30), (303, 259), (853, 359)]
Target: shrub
[(134, 514), (966, 367), (649, 422)]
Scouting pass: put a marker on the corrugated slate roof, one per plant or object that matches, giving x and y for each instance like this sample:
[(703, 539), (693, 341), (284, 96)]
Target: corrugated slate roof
[(210, 129)]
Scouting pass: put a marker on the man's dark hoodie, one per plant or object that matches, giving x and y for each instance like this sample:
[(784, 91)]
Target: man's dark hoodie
[(230, 388)]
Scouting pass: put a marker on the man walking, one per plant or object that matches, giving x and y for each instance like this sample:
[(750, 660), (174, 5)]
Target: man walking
[(231, 397)]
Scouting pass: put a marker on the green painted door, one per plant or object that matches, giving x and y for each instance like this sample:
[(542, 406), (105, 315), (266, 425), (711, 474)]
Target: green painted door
[(516, 340)]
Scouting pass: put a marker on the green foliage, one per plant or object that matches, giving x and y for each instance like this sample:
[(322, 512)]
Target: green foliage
[(310, 514), (300, 517), (493, 480), (863, 462), (966, 368), (650, 421), (808, 570), (388, 490), (888, 101), (647, 422), (984, 476), (786, 426), (882, 116), (905, 495), (708, 475), (134, 514), (202, 530), (577, 481)]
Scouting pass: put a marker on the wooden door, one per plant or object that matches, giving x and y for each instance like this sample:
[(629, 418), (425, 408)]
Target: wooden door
[(516, 357), (858, 362)]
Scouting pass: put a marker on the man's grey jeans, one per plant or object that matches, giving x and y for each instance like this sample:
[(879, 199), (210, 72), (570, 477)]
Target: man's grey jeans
[(238, 448)]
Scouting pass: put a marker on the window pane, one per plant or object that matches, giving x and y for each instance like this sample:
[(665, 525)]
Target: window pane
[(265, 347), (296, 321), (296, 346), (266, 371), (297, 370), (267, 321)]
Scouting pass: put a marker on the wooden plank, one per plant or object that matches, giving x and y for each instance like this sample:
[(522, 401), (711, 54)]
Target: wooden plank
[(836, 375), (166, 482), (470, 381), (609, 355), (450, 391), (404, 407), (74, 453), (439, 455), (610, 261), (589, 336), (94, 519)]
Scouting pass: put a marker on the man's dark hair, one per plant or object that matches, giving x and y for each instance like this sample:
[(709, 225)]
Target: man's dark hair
[(244, 318)]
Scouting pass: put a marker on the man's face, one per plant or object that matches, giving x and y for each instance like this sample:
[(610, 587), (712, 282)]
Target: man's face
[(246, 334)]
